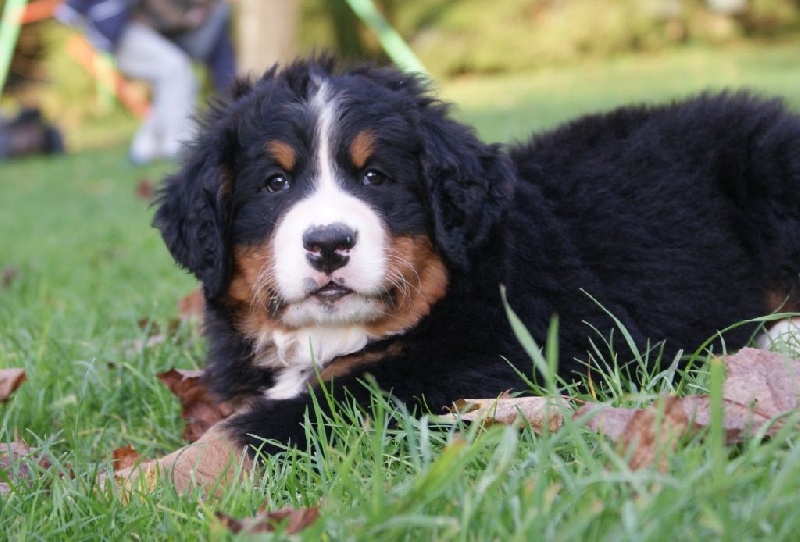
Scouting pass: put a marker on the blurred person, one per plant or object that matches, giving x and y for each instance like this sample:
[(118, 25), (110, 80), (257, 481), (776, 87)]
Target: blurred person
[(145, 37)]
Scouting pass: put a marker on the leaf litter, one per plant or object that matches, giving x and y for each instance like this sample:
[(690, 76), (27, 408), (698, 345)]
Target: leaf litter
[(14, 470), (293, 520), (201, 408), (760, 390), (190, 311), (10, 381), (7, 277)]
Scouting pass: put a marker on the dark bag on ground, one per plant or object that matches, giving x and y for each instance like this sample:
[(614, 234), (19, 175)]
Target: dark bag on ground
[(28, 133)]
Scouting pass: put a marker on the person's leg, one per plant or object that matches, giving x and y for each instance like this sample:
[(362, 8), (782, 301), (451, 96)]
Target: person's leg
[(144, 54), (222, 62), (211, 44)]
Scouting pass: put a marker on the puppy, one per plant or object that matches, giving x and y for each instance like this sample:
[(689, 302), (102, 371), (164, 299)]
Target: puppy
[(343, 225)]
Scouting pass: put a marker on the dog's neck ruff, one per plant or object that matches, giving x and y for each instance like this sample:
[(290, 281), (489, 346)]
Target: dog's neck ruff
[(297, 356)]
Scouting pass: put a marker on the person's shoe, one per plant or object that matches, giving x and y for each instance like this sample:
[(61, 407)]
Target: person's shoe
[(138, 160), (144, 150)]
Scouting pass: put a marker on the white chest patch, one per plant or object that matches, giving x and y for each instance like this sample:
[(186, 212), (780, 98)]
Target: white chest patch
[(299, 353)]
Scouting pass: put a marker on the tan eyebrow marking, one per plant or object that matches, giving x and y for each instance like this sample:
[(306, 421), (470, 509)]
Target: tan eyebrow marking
[(362, 148), (283, 153)]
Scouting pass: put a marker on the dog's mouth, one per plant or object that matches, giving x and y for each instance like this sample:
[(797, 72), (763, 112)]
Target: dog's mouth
[(331, 292), (331, 304)]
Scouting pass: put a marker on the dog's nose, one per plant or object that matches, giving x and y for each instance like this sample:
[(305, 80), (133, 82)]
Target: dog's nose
[(329, 246)]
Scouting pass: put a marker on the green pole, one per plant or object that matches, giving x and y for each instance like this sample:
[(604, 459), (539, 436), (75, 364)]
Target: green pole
[(9, 30), (397, 49)]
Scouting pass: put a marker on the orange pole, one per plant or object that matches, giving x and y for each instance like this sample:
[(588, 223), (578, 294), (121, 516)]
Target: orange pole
[(38, 11), (88, 58)]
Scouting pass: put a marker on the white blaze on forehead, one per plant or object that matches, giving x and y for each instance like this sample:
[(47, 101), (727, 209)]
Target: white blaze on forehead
[(325, 109)]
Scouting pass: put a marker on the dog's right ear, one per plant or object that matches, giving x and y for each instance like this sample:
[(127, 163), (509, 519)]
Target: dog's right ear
[(194, 205)]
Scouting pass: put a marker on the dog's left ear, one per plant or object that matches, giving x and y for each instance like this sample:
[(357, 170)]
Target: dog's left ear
[(470, 185), (193, 211)]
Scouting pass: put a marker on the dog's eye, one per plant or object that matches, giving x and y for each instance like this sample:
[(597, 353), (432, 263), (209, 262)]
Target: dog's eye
[(374, 177), (276, 183)]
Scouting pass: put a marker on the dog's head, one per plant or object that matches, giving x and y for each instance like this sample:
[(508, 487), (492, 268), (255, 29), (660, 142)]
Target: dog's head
[(317, 198)]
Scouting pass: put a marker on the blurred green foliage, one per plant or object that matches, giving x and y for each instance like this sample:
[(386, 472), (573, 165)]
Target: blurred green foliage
[(454, 37), (451, 37)]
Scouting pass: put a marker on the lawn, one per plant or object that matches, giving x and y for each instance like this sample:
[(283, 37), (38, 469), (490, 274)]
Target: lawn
[(88, 269)]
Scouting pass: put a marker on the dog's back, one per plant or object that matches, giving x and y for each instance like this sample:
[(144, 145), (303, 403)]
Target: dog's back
[(681, 219)]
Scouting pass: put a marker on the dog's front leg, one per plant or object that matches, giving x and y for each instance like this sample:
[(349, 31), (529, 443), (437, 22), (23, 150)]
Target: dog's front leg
[(210, 464)]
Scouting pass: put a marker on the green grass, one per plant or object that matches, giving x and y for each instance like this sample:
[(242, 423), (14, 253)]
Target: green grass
[(89, 267), (508, 107)]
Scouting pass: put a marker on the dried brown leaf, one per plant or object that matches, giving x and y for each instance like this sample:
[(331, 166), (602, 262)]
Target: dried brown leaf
[(144, 189), (192, 305), (201, 409), (8, 276), (296, 520), (125, 457), (739, 421), (155, 335), (463, 406), (764, 381), (652, 434), (152, 327), (12, 452), (604, 419), (10, 380), (537, 411), (190, 309), (759, 387)]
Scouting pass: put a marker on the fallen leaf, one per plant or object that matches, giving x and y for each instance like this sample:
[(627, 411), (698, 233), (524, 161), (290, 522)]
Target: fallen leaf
[(140, 345), (152, 327), (652, 434), (764, 381), (201, 409), (155, 334), (125, 457), (739, 422), (760, 387), (10, 380), (190, 309), (607, 420), (296, 520), (133, 487), (8, 276), (12, 452), (539, 412), (192, 305), (144, 189)]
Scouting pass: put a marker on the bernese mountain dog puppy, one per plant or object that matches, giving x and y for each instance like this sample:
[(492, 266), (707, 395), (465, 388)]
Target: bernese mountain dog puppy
[(344, 225)]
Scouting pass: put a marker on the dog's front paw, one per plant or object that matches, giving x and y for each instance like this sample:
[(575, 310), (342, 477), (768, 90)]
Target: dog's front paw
[(210, 464)]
